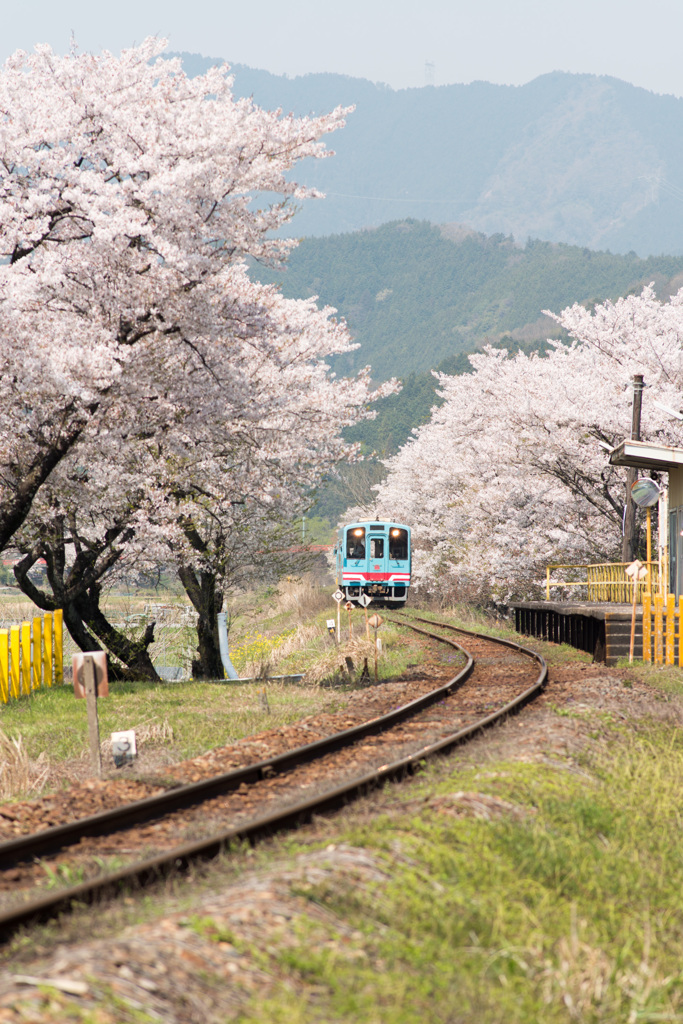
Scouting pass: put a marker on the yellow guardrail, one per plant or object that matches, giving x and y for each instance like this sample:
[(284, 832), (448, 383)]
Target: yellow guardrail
[(32, 656), (663, 629), (606, 581)]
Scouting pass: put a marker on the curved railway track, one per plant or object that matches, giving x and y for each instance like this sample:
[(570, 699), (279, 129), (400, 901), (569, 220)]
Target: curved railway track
[(497, 678)]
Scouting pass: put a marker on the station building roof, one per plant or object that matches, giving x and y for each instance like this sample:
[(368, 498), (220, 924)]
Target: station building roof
[(647, 455)]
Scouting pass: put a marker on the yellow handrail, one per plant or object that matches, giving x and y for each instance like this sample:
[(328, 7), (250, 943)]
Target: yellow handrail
[(31, 656), (607, 581)]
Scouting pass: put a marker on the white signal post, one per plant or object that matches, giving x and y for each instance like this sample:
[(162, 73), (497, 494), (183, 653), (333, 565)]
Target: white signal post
[(338, 597)]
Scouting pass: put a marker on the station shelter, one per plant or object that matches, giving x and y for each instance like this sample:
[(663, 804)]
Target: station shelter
[(601, 624)]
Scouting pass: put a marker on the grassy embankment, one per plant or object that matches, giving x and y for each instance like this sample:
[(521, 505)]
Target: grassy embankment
[(562, 903), (565, 905)]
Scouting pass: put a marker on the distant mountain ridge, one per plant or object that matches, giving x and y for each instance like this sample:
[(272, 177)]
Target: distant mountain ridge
[(582, 159), (415, 294)]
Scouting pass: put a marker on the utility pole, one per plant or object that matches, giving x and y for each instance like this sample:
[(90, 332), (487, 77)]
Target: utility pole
[(628, 545)]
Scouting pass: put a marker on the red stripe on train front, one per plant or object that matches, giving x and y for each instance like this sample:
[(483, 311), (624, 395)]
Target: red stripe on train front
[(376, 577)]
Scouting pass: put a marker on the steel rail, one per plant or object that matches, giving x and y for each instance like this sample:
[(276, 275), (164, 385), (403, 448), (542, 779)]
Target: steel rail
[(145, 872), (179, 798), (522, 698)]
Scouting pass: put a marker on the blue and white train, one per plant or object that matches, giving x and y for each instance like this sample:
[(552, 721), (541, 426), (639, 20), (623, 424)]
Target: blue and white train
[(374, 558)]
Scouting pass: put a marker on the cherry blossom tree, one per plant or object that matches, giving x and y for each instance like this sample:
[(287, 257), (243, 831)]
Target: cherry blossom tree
[(129, 195), (509, 475), (148, 383), (208, 493)]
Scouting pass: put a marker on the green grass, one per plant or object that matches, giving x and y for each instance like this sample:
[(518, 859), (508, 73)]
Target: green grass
[(574, 912), (201, 715), (188, 718)]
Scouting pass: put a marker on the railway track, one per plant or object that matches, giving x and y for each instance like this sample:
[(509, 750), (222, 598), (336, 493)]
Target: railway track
[(495, 678)]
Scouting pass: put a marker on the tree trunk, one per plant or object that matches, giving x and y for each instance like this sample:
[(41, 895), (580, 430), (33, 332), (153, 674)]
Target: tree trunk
[(84, 618), (31, 476), (134, 654), (207, 601)]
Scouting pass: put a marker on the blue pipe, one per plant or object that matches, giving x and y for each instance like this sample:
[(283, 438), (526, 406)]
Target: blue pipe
[(228, 666)]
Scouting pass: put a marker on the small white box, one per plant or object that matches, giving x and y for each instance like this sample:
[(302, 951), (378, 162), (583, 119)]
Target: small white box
[(123, 747)]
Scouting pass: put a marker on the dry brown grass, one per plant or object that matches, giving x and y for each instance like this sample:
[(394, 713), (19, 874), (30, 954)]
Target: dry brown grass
[(20, 775), (332, 663), (303, 598), (146, 733)]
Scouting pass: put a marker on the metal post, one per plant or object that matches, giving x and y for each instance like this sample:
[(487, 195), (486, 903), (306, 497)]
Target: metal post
[(224, 646), (90, 682), (649, 549)]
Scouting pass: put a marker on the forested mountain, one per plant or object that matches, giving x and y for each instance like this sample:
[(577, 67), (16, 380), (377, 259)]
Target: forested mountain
[(582, 159), (415, 294)]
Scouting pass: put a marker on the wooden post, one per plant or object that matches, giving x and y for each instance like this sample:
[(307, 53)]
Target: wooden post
[(59, 646), (90, 681), (633, 618), (659, 607), (26, 658), (47, 649), (670, 628), (4, 665), (647, 627), (37, 652), (15, 649)]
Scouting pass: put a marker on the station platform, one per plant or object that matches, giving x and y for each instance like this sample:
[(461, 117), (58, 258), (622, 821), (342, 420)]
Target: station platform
[(601, 629)]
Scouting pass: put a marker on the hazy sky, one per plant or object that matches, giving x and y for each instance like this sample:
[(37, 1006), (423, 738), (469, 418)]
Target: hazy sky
[(507, 41)]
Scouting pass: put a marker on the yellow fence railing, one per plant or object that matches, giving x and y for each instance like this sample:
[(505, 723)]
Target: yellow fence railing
[(31, 656), (604, 581), (662, 628)]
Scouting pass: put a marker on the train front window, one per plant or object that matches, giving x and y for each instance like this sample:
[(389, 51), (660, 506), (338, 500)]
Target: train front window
[(398, 543), (377, 547), (355, 543)]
